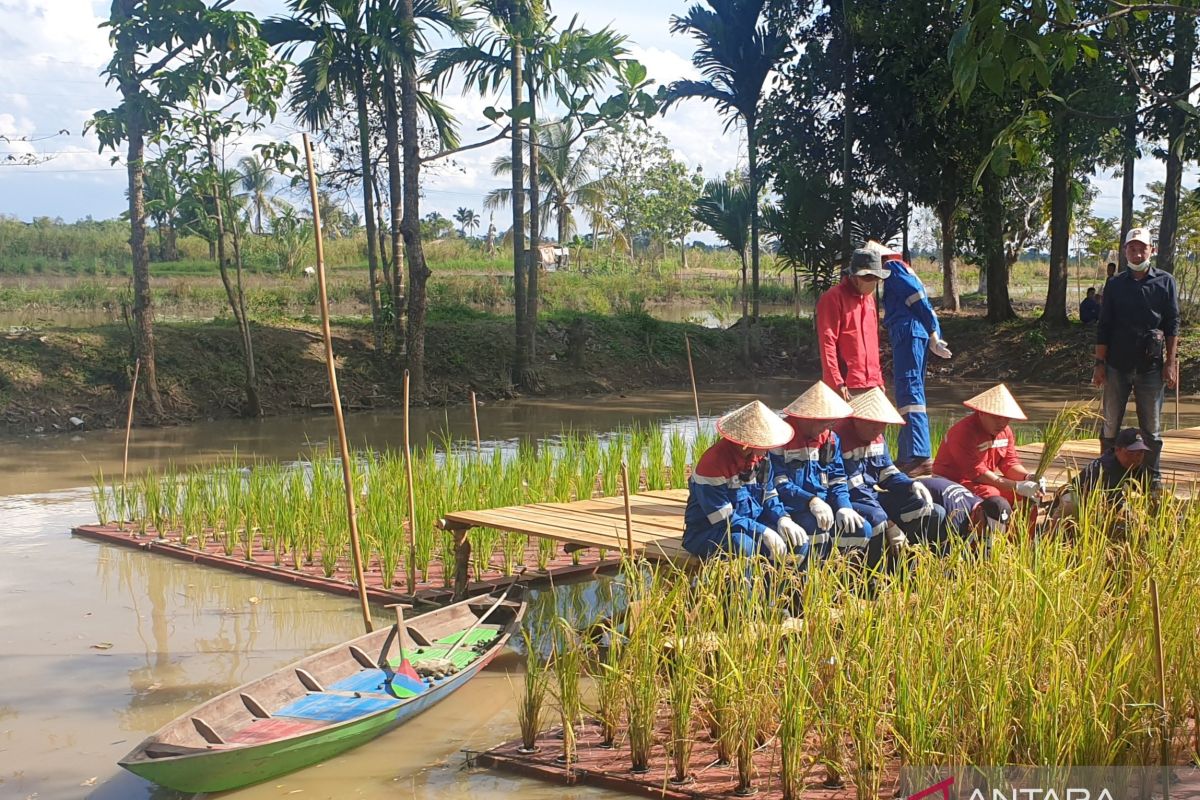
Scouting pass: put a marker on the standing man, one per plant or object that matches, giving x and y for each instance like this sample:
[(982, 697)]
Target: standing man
[(848, 328), (1137, 347), (914, 330), (1089, 307)]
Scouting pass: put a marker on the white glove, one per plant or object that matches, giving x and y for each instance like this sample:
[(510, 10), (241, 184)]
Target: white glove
[(792, 533), (1042, 485), (896, 538), (774, 543), (821, 510), (922, 493), (850, 520), (1027, 489), (938, 346)]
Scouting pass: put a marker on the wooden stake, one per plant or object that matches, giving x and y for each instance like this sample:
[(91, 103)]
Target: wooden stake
[(137, 369), (334, 395), (1178, 380), (1165, 752), (692, 373), (475, 419), (628, 512), (411, 560)]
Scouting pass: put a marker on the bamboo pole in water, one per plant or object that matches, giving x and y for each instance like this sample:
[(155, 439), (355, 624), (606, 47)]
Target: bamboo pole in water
[(137, 370), (628, 512), (334, 395), (411, 560), (475, 419), (691, 372)]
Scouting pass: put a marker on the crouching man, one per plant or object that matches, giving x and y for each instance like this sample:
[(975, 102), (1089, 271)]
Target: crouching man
[(733, 507), (879, 491)]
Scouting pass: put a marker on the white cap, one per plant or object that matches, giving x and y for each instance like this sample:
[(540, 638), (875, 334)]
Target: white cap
[(1138, 235)]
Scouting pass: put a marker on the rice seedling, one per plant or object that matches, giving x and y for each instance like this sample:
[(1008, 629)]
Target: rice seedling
[(545, 553), (656, 460), (679, 460), (684, 663), (567, 666), (643, 656), (102, 500), (610, 474), (532, 700), (796, 715), (610, 684)]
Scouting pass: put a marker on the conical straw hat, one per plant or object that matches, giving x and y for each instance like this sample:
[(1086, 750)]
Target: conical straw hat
[(819, 402), (755, 425), (873, 406), (997, 401)]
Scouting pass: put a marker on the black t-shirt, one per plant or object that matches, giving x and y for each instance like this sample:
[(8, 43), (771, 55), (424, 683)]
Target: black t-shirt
[(1131, 309)]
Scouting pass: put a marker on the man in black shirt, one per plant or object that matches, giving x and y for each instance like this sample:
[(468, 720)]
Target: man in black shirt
[(1089, 309), (1108, 473), (1136, 342)]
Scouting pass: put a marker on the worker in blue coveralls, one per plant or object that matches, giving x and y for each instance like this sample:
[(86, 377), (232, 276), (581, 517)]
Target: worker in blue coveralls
[(811, 478), (733, 507), (879, 491), (914, 330)]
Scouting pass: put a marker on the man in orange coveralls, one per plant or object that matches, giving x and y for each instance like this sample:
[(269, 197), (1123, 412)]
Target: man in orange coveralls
[(980, 453), (848, 328)]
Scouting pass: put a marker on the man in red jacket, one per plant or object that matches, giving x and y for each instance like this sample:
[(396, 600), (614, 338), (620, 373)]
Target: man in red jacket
[(848, 328)]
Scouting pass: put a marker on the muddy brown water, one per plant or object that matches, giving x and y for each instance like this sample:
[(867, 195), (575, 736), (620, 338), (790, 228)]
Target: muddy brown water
[(100, 646)]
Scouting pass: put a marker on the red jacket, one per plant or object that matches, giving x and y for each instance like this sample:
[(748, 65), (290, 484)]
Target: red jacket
[(848, 335), (968, 451)]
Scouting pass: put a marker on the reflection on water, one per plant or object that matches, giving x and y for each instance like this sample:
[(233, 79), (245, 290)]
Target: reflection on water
[(100, 646)]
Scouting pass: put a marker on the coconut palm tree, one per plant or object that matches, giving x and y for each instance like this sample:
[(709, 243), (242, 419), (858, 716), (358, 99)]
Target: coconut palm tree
[(257, 182), (735, 52), (567, 173), (466, 218)]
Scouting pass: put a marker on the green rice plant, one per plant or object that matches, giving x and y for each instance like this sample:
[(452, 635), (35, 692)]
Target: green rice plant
[(102, 499), (590, 462), (656, 460), (609, 680), (567, 665), (643, 657), (679, 460), (150, 488), (531, 703), (610, 473), (545, 553), (513, 552), (638, 441), (684, 664), (796, 715)]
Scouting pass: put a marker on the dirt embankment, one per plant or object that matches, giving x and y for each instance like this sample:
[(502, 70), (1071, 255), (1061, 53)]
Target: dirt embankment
[(48, 377)]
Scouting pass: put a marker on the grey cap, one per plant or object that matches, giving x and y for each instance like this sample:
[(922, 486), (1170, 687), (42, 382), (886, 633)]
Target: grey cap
[(865, 262)]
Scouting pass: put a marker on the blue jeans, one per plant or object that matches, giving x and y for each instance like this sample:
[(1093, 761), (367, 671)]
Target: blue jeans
[(1148, 390)]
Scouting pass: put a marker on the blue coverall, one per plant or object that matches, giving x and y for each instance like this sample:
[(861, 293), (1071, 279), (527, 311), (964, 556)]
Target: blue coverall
[(729, 505), (808, 468), (910, 322)]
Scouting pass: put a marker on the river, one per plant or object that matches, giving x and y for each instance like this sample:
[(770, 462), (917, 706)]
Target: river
[(100, 646)]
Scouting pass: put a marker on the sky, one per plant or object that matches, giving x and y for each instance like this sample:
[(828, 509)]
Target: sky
[(52, 51)]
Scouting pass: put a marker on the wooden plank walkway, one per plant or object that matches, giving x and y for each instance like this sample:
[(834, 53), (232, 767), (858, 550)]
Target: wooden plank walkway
[(657, 517)]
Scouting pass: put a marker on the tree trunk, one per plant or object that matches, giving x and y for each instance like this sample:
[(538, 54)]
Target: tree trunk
[(414, 253), (516, 83), (999, 306), (1180, 78), (253, 401), (1127, 189), (683, 252), (981, 285), (364, 146), (253, 408), (1055, 312), (950, 300), (745, 311), (530, 380), (170, 243), (143, 306), (395, 194), (751, 131), (847, 134)]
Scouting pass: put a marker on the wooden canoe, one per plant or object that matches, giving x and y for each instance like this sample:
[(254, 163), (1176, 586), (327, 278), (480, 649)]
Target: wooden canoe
[(326, 703)]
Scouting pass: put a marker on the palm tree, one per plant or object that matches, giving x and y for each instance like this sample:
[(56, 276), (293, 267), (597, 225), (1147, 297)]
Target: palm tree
[(734, 53), (340, 64), (466, 218), (567, 173), (257, 182), (727, 209)]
